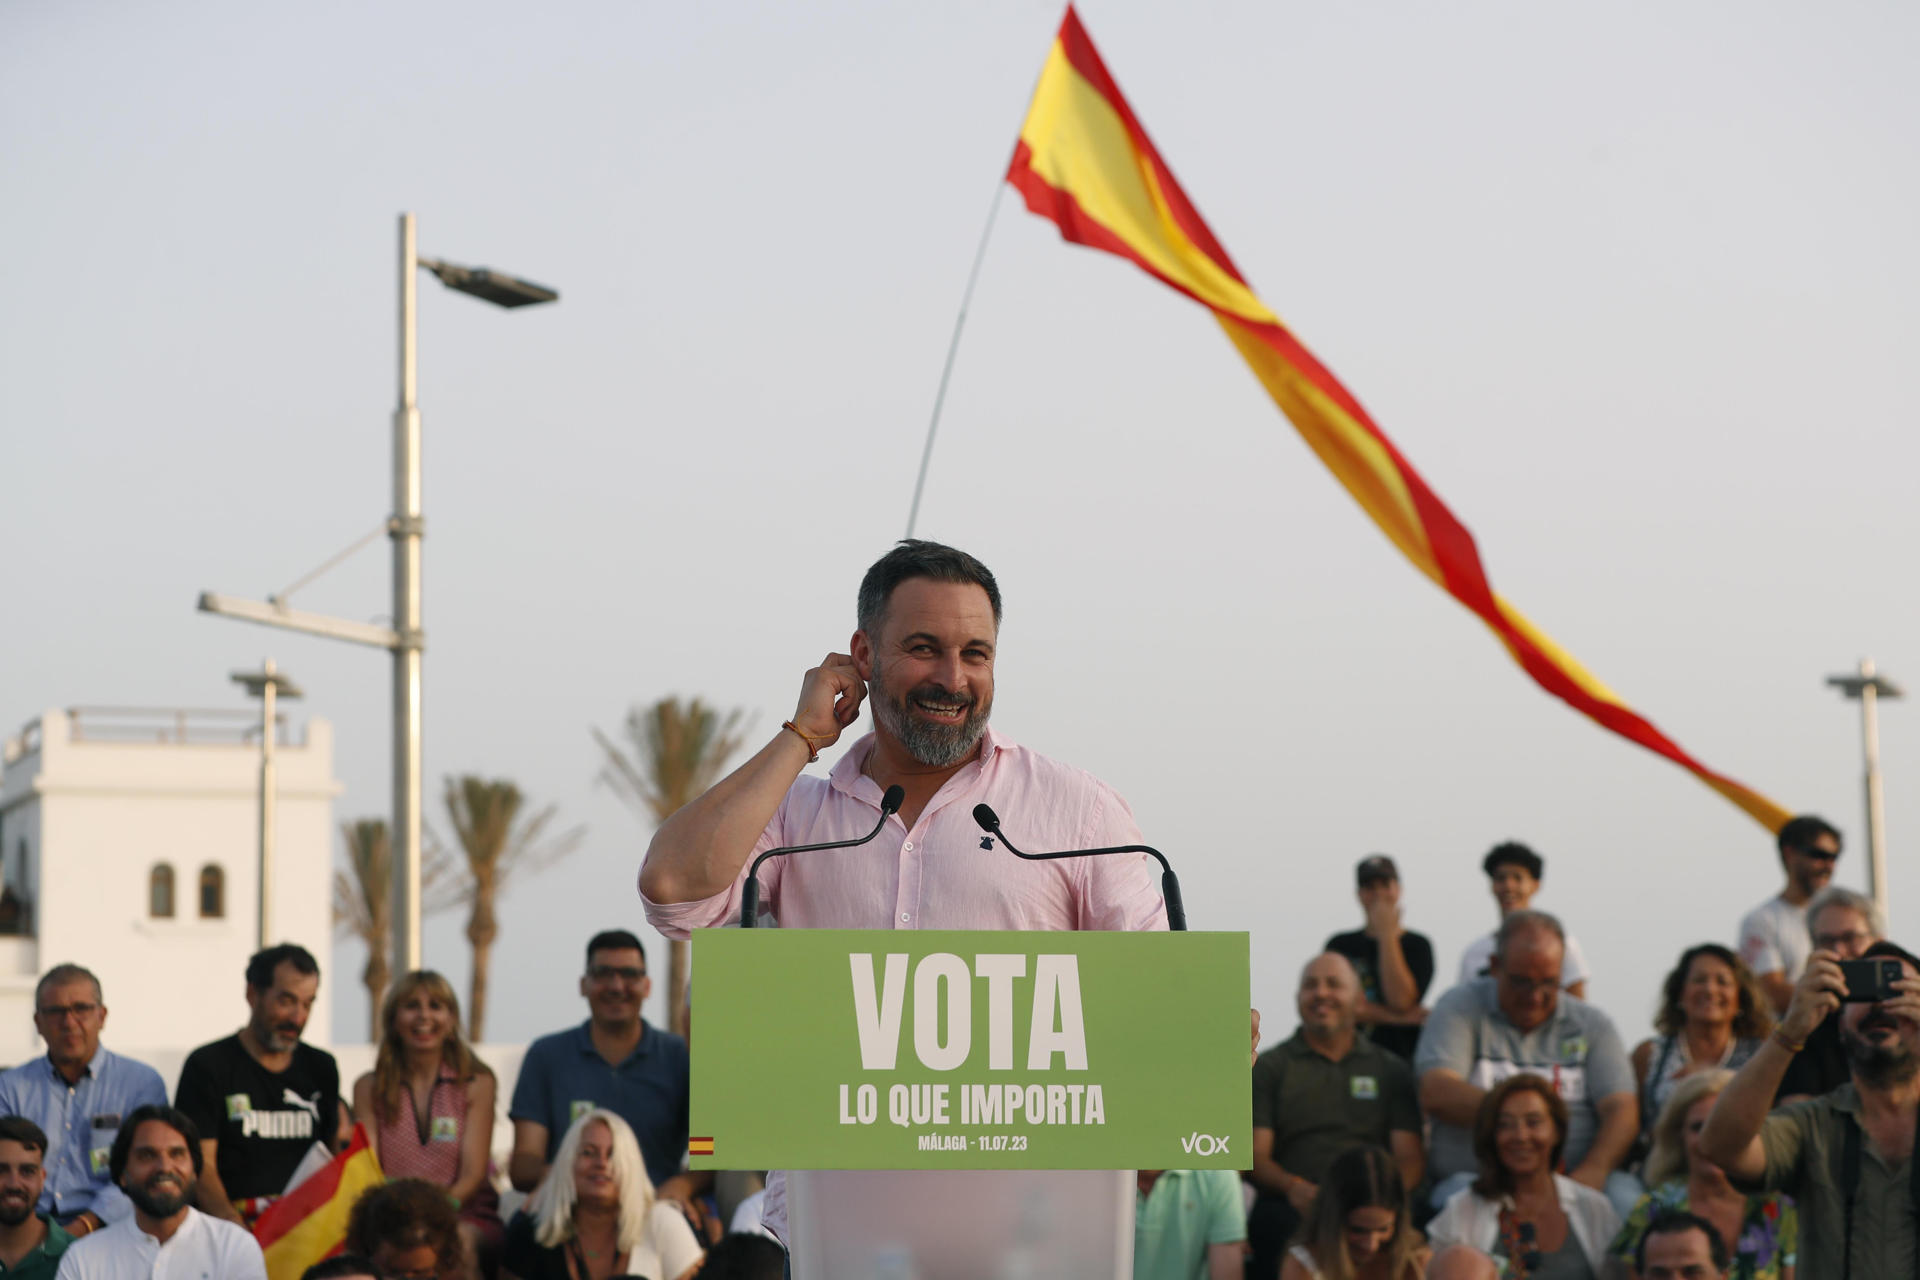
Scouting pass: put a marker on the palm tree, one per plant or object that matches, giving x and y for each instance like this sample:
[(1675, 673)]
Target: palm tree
[(677, 753), (498, 844), (363, 906), (363, 901)]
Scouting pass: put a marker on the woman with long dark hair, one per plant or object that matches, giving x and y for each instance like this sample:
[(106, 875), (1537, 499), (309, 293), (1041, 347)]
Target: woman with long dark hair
[(1359, 1227)]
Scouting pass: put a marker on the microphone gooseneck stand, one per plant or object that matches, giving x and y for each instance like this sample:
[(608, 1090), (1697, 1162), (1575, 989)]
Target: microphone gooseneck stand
[(750, 892), (1169, 884)]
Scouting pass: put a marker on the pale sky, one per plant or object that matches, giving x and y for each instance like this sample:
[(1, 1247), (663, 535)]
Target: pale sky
[(1633, 285)]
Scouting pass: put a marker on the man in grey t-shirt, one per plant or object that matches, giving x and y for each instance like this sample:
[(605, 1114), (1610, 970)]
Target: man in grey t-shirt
[(1518, 1020)]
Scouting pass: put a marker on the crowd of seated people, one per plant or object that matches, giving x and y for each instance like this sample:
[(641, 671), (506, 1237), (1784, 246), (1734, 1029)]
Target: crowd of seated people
[(1766, 1129), (101, 1177)]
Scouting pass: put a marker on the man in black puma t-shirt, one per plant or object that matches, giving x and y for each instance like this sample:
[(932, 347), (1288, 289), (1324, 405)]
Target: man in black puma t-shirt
[(260, 1098)]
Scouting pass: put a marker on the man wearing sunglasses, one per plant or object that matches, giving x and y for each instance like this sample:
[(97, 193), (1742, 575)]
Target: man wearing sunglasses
[(616, 1060), (1773, 937), (78, 1094)]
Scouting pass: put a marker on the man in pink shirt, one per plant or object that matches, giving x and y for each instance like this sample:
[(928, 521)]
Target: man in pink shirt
[(929, 618)]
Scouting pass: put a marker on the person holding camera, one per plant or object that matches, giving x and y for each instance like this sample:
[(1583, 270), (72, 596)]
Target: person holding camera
[(1846, 1157)]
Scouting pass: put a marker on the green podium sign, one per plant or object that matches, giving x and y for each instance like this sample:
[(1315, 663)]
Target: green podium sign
[(902, 1049)]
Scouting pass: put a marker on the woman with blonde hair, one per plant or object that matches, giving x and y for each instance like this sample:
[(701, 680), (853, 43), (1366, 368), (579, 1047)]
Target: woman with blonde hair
[(1761, 1232), (427, 1106), (594, 1216), (1359, 1227)]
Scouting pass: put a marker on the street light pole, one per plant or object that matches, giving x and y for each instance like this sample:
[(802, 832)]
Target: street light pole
[(405, 639), (267, 684), (1869, 687), (406, 529)]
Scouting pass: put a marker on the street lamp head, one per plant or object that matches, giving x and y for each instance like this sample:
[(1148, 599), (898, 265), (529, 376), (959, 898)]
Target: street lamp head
[(256, 682), (1854, 684), (500, 289)]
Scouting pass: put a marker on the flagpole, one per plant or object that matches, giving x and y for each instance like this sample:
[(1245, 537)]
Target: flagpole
[(946, 371)]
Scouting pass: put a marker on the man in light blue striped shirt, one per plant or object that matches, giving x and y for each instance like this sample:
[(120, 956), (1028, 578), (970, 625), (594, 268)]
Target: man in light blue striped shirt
[(78, 1093)]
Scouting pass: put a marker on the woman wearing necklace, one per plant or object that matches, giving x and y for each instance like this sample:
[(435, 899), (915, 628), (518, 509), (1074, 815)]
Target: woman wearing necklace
[(1533, 1221), (594, 1215), (1712, 1014), (1761, 1231), (428, 1107)]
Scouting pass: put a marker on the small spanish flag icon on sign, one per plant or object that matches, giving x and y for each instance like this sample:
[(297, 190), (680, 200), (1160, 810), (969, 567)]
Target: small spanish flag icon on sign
[(699, 1146)]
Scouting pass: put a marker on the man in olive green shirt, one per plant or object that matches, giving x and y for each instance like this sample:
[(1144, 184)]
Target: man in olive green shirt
[(1846, 1157), (1324, 1090), (30, 1246)]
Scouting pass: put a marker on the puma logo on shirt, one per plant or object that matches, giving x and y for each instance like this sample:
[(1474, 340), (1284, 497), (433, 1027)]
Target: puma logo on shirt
[(255, 1122)]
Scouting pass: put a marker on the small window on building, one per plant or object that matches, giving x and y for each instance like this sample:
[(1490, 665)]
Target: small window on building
[(160, 892), (16, 910), (213, 892)]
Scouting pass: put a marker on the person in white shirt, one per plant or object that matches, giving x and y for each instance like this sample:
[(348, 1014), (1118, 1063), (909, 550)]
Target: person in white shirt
[(1513, 874), (156, 1160), (1773, 936)]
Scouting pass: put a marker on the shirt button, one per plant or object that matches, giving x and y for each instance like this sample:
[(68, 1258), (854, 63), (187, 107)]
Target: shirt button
[(904, 917), (908, 846)]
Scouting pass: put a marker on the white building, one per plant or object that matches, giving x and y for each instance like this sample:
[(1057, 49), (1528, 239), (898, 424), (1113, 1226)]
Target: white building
[(129, 843)]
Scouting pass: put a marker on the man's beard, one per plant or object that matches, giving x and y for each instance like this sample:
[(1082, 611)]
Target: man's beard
[(276, 1039), (160, 1201), (938, 746), (1879, 1065), (15, 1210)]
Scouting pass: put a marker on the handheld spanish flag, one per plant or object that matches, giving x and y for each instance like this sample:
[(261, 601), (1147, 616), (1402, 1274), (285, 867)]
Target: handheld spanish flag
[(1084, 162), (309, 1223)]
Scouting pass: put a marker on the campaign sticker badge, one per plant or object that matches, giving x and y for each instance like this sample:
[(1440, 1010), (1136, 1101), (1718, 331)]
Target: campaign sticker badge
[(447, 1129), (1365, 1088), (99, 1158), (1574, 1049), (238, 1104), (578, 1107)]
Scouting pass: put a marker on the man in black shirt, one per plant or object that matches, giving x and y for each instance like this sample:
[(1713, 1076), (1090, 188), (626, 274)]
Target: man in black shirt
[(1394, 964), (260, 1098)]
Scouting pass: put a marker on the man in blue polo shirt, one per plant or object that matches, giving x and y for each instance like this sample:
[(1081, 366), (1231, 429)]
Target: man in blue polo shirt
[(77, 1095), (616, 1060)]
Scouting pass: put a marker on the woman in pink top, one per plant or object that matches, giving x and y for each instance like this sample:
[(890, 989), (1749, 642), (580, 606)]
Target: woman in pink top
[(428, 1106)]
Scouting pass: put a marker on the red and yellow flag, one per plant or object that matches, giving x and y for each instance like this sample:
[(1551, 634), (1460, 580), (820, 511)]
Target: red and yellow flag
[(309, 1223), (1084, 163)]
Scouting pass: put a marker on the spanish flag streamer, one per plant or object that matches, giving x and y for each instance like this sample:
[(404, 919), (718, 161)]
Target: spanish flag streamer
[(309, 1223), (1085, 163)]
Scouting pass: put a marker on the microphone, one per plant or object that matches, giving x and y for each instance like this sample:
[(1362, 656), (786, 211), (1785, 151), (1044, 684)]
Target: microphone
[(750, 893), (1169, 886)]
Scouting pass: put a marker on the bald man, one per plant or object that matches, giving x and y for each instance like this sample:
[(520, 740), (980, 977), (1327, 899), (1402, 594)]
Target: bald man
[(1515, 1020), (1316, 1094)]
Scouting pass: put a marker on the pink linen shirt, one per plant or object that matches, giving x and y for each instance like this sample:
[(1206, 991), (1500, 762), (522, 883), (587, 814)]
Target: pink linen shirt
[(945, 873)]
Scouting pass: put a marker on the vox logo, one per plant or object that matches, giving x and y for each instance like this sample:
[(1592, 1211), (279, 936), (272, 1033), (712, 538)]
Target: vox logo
[(1203, 1144)]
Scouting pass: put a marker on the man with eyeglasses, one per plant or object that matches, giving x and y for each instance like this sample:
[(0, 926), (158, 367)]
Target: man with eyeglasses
[(1518, 1019), (616, 1060), (1773, 936), (77, 1094), (1845, 923)]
